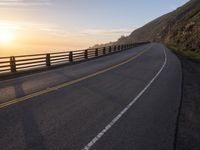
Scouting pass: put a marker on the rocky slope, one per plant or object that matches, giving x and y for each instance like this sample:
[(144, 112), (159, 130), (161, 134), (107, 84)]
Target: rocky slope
[(179, 29)]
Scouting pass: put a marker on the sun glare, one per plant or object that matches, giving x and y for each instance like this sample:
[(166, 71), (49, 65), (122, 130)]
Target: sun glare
[(6, 37)]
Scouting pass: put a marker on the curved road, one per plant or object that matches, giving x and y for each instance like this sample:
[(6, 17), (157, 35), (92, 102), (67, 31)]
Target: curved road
[(128, 100)]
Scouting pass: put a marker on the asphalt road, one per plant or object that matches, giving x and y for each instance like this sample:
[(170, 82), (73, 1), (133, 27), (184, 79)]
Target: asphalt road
[(125, 101)]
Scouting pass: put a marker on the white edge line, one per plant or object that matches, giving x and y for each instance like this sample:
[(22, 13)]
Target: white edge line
[(95, 139)]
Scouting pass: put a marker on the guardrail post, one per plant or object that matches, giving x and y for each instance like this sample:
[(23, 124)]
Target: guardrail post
[(121, 47), (48, 60), (12, 64), (104, 51), (96, 52), (110, 49), (86, 54), (70, 56), (114, 48), (118, 47)]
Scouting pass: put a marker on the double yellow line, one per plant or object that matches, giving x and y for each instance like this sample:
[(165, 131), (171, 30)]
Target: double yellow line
[(28, 97)]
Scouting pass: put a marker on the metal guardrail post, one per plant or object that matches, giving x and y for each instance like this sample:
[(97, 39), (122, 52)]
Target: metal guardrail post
[(104, 51), (13, 64), (86, 54), (70, 56), (96, 52), (48, 60)]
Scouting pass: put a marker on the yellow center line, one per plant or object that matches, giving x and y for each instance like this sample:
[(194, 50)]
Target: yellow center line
[(27, 97)]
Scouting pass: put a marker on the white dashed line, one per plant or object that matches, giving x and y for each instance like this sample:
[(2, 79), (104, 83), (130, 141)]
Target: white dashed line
[(95, 139)]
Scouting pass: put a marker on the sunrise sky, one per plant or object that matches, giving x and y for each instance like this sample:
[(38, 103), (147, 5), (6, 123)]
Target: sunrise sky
[(37, 26)]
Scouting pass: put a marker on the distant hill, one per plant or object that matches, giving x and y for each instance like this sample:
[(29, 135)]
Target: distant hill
[(179, 29)]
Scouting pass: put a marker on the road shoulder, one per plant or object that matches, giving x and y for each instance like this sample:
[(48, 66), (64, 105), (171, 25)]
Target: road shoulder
[(188, 131)]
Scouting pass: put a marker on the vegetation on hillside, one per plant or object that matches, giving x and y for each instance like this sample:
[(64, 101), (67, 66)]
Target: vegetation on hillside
[(179, 30)]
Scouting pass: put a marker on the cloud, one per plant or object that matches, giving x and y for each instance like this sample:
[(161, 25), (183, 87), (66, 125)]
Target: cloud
[(7, 25), (10, 3), (106, 32), (60, 34), (27, 27)]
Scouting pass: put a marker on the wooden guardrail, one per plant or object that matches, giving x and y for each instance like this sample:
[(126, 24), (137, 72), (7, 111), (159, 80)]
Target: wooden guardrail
[(15, 64)]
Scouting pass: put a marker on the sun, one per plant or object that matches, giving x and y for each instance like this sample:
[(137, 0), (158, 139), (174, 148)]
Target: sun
[(6, 37)]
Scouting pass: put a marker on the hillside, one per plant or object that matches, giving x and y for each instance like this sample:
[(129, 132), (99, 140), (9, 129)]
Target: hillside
[(179, 29)]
